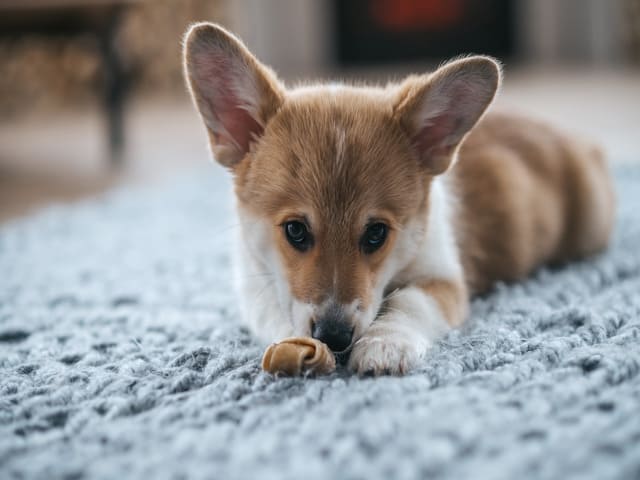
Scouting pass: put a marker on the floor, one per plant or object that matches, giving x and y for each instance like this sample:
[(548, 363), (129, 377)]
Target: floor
[(60, 156)]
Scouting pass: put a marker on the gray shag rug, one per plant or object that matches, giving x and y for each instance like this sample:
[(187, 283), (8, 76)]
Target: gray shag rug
[(121, 358)]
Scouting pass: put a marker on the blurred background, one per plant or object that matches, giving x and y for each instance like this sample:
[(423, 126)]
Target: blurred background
[(92, 95)]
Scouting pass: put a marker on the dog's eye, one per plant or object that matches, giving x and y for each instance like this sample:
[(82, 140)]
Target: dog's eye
[(374, 237), (298, 235)]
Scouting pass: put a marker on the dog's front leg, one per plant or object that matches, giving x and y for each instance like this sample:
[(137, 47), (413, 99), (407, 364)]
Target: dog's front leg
[(410, 320)]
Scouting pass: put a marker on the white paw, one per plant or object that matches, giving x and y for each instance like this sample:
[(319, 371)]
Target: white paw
[(386, 350)]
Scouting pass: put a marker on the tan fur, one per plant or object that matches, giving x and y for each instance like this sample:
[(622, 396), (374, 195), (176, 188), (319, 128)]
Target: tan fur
[(451, 298), (528, 195)]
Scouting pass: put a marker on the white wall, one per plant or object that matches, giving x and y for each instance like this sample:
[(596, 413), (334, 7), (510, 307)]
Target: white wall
[(554, 31), (293, 36)]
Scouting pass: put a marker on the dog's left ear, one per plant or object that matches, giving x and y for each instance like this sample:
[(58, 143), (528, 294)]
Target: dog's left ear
[(438, 110), (235, 94)]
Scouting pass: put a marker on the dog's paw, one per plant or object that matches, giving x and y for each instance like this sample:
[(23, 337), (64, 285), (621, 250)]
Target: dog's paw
[(384, 350)]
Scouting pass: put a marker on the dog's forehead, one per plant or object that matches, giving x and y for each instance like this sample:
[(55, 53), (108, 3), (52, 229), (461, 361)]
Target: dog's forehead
[(328, 120), (340, 154)]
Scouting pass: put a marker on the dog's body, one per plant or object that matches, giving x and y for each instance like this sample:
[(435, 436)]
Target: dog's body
[(369, 215)]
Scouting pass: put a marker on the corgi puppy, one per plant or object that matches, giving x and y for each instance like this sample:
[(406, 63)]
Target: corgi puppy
[(368, 215)]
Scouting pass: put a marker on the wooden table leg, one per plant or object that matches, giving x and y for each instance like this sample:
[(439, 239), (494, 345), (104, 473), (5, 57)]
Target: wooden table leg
[(116, 84)]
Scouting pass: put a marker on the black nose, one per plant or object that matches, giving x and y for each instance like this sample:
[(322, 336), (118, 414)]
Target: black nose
[(333, 330)]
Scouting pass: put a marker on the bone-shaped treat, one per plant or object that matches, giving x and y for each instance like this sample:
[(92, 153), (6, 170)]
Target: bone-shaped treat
[(298, 355)]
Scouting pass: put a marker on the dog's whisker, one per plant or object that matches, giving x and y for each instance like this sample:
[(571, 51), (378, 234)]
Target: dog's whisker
[(262, 290)]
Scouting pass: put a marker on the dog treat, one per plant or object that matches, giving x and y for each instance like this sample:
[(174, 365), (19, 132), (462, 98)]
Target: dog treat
[(298, 355)]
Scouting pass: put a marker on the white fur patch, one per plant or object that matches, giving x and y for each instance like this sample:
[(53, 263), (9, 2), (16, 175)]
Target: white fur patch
[(263, 291), (301, 314), (432, 243)]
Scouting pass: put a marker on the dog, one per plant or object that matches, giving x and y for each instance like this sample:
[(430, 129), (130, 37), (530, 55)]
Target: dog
[(370, 215)]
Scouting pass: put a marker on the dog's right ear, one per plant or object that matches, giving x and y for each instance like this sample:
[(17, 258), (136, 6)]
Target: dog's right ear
[(234, 93), (438, 110)]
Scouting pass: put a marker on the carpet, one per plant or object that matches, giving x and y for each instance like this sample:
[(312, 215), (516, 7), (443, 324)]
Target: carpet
[(121, 358)]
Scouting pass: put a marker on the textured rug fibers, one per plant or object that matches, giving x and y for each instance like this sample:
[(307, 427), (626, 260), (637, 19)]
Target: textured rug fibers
[(121, 358)]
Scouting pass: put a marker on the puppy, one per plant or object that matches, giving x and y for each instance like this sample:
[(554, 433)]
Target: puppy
[(368, 216)]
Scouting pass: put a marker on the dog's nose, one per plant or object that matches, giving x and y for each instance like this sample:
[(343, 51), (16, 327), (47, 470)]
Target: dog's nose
[(334, 331)]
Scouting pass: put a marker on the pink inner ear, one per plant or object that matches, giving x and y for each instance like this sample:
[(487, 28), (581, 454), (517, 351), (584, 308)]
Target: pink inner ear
[(433, 137), (220, 78), (443, 130), (239, 125)]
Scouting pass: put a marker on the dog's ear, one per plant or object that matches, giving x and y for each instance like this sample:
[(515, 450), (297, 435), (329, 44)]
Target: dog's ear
[(439, 109), (234, 93)]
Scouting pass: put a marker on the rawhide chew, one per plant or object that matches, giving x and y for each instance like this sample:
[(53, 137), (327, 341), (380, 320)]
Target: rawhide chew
[(297, 355)]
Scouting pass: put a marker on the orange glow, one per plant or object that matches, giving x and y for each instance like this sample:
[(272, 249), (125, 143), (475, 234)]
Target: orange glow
[(402, 15)]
